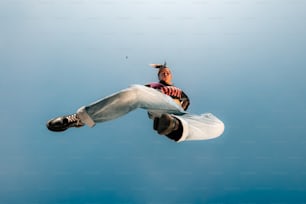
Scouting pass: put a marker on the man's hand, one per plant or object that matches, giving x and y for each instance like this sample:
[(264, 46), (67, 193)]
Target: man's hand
[(178, 102)]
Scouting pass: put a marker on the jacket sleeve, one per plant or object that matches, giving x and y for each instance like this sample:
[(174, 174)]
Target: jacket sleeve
[(185, 101)]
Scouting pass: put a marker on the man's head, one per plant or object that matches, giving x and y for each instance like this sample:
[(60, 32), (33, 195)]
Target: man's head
[(164, 74)]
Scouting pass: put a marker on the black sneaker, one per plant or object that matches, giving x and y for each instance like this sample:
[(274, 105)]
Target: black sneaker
[(165, 124), (62, 123)]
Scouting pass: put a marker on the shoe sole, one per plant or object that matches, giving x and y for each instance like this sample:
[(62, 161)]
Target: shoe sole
[(155, 123), (164, 124)]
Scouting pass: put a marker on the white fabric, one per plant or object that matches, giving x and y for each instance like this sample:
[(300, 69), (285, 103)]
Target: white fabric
[(200, 127), (195, 127)]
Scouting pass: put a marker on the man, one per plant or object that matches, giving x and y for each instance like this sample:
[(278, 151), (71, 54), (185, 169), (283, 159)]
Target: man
[(166, 105)]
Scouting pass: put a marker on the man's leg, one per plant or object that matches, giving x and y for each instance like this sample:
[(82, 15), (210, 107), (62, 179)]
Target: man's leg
[(200, 127), (189, 127), (119, 104)]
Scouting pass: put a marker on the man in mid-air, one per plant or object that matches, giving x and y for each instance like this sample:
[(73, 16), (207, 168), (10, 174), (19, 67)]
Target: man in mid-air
[(166, 105)]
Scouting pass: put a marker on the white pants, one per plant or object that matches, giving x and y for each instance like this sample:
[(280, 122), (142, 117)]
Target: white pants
[(195, 127)]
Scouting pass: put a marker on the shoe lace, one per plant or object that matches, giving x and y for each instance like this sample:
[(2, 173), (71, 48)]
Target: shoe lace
[(74, 118)]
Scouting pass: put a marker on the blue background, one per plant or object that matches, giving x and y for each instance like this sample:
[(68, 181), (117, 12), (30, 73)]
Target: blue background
[(243, 61)]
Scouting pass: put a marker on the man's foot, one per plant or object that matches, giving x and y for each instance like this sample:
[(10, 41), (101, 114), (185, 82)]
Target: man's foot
[(62, 123), (165, 124)]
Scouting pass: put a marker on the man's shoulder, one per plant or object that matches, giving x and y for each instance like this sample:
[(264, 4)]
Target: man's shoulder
[(155, 85), (159, 85)]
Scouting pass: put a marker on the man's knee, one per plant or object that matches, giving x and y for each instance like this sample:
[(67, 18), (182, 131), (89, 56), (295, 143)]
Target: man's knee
[(137, 88)]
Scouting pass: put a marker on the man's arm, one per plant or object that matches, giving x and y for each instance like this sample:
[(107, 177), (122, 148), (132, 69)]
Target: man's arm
[(185, 102)]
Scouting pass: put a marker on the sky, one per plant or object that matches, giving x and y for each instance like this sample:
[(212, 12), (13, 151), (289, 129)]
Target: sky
[(243, 61)]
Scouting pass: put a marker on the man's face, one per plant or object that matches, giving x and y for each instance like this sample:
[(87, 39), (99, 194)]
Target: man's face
[(165, 75)]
